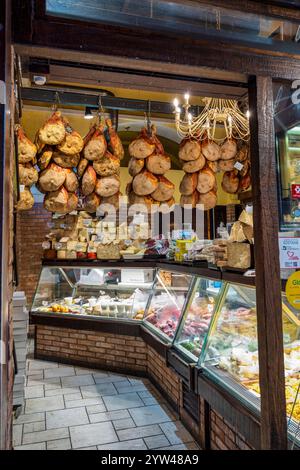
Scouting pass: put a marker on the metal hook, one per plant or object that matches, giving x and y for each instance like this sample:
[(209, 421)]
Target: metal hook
[(148, 117), (100, 108), (56, 102)]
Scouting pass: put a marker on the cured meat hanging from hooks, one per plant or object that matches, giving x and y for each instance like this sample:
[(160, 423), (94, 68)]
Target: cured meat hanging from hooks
[(28, 175), (115, 143)]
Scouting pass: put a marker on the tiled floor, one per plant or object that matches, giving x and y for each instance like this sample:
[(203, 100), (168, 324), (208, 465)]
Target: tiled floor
[(75, 408)]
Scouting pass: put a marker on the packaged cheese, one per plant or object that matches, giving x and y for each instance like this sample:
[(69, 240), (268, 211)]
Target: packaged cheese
[(238, 255)]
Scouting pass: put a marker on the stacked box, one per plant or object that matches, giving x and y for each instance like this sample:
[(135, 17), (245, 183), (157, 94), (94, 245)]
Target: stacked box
[(20, 328)]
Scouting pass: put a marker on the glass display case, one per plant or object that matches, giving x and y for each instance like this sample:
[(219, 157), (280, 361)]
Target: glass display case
[(115, 292), (193, 328), (230, 352), (165, 307)]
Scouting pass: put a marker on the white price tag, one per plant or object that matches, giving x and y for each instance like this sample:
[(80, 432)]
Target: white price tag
[(238, 165), (22, 188)]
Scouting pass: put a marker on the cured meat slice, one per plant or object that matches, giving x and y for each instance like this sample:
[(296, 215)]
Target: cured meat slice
[(164, 191), (72, 144), (230, 182), (91, 202), (107, 186), (53, 131), (66, 161), (211, 150), (189, 150), (194, 165), (96, 146), (158, 164), (107, 165), (89, 180), (28, 175), (52, 178), (83, 163), (144, 183), (56, 201), (206, 181), (135, 166), (226, 165), (26, 200), (191, 199), (71, 181), (209, 200), (142, 147), (188, 184), (26, 149), (228, 149), (115, 143)]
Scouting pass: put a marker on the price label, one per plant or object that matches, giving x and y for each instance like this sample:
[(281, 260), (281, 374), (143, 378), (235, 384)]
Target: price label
[(238, 165), (22, 188)]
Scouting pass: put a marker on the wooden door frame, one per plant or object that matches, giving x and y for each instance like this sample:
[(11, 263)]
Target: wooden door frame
[(75, 39)]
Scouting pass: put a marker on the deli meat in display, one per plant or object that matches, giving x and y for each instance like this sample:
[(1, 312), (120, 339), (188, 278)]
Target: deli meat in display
[(209, 200), (115, 143), (228, 149), (66, 161), (188, 184), (107, 165), (194, 165), (230, 182), (211, 150), (71, 181), (45, 157), (26, 149), (73, 142), (28, 175), (192, 199), (135, 166), (189, 150), (108, 186), (89, 181), (53, 131), (143, 146), (164, 191), (206, 181), (26, 200), (56, 201), (91, 202), (158, 164)]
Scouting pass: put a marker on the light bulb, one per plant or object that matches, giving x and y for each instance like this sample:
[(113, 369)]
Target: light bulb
[(178, 110), (247, 113), (186, 97), (176, 103)]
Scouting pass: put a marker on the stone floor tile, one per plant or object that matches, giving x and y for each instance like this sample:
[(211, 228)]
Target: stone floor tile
[(153, 414), (122, 402), (30, 418), (34, 364), (37, 446), (42, 436), (68, 417), (34, 427), (133, 444), (92, 434), (108, 416), (85, 371), (62, 391), (17, 434), (123, 387), (154, 442), (149, 401), (89, 391), (176, 433), (95, 409), (102, 379), (59, 372), (123, 424), (37, 391), (73, 396), (77, 381), (85, 402), (142, 431), (187, 446), (49, 383), (145, 393), (35, 405), (35, 373), (59, 444), (87, 448)]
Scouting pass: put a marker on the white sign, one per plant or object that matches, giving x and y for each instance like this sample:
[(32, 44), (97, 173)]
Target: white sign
[(289, 249)]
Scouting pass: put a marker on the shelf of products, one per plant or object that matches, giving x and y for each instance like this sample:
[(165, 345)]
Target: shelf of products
[(117, 292), (166, 305), (197, 317), (230, 355)]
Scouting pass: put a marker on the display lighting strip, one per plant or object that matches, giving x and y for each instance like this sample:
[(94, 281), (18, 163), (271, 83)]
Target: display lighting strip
[(216, 112)]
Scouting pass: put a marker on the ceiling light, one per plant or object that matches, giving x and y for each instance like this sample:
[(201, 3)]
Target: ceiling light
[(88, 114)]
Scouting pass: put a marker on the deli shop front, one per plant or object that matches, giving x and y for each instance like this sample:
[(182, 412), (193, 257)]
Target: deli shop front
[(150, 187)]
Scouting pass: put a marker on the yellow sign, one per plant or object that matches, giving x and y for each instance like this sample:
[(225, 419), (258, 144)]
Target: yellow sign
[(292, 290)]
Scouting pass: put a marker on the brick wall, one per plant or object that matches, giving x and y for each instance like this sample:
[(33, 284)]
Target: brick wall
[(223, 435), (31, 230)]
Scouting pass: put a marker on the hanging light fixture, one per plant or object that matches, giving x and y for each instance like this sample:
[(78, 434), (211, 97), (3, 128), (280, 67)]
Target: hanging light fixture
[(88, 114), (217, 111)]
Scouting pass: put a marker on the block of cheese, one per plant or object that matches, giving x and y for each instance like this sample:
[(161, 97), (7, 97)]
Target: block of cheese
[(110, 251), (238, 255)]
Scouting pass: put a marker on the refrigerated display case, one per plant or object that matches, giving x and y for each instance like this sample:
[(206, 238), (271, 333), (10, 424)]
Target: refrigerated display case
[(230, 353), (194, 326), (166, 305), (106, 292)]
